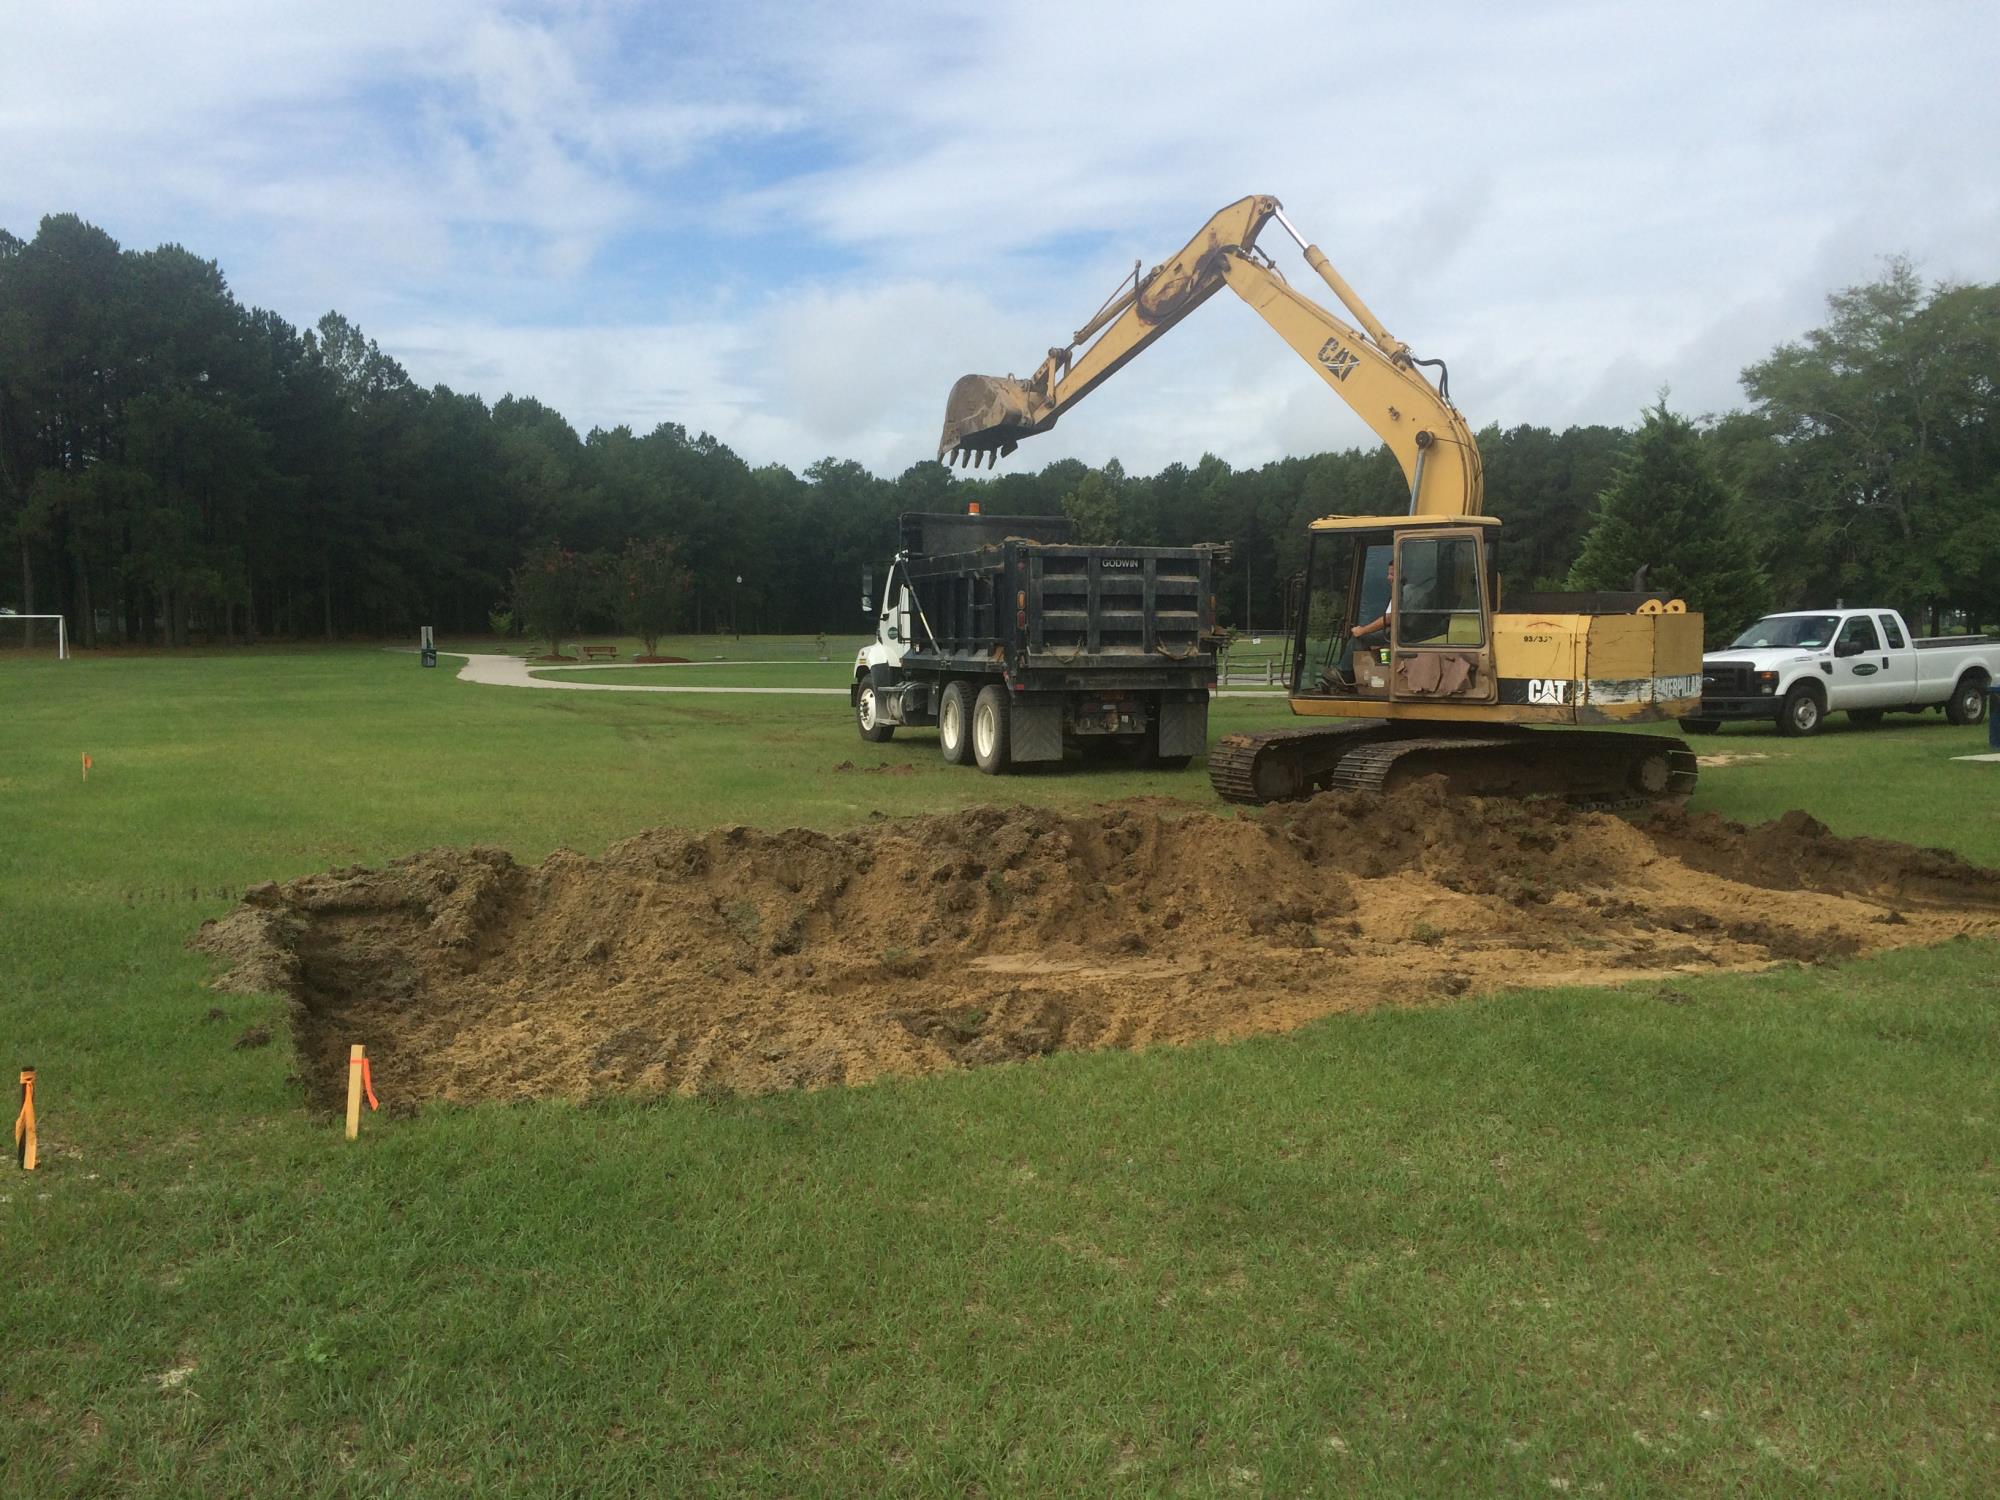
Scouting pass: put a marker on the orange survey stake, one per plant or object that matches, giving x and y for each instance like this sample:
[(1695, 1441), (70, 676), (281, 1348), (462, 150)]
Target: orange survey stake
[(24, 1123), (359, 1077)]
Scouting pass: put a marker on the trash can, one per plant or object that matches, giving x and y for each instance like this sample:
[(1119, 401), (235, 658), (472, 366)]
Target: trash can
[(428, 656), (1993, 716)]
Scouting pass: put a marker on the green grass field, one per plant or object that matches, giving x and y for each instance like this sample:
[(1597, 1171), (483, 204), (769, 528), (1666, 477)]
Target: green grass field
[(1741, 1236)]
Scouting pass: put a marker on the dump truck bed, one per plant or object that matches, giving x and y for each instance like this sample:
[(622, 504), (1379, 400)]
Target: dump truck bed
[(1014, 595)]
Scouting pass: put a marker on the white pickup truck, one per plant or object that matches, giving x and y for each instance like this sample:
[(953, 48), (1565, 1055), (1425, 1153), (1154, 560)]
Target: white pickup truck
[(1796, 668)]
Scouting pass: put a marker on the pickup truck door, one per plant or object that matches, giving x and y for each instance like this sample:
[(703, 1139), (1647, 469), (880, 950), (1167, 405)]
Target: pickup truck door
[(1897, 681), (1858, 660)]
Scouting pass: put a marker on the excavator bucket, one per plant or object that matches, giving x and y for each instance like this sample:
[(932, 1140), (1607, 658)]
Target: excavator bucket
[(984, 417)]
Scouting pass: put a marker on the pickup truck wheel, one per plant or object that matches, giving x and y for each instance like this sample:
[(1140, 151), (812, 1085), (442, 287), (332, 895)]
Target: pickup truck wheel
[(1968, 701), (1702, 726), (955, 723), (1865, 715), (989, 730), (1801, 713), (868, 717)]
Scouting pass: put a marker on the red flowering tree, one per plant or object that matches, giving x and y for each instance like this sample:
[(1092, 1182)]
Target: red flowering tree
[(650, 587), (552, 588)]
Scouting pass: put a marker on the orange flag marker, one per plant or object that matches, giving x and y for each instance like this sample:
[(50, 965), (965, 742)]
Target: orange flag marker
[(24, 1123), (87, 763), (359, 1077)]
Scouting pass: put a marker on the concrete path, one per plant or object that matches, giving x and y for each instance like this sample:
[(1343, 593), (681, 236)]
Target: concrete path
[(512, 671), (494, 670)]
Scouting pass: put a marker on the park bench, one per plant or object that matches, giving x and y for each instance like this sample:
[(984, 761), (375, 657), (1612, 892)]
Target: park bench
[(599, 653)]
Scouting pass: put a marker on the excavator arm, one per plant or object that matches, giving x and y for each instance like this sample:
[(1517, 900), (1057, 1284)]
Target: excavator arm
[(1373, 372)]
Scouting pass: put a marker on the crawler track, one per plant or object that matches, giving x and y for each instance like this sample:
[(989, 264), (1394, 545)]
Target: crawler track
[(1592, 767)]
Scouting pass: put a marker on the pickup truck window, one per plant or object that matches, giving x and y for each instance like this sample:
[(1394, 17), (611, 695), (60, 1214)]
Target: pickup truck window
[(1807, 631), (1896, 642), (1859, 633)]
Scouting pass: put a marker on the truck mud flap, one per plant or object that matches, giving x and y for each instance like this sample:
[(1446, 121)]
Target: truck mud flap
[(1184, 728), (1035, 731)]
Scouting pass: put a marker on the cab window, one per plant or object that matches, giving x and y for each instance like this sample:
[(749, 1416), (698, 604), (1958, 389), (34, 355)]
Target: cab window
[(1323, 626), (1437, 593), (1858, 637), (1347, 583), (1895, 636)]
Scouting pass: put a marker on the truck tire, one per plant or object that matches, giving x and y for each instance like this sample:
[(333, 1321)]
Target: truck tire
[(989, 730), (868, 718), (955, 723), (1146, 755), (1968, 700), (1802, 713), (1702, 726)]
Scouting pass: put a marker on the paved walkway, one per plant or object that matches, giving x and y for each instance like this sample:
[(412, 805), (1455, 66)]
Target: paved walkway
[(494, 670), (512, 671)]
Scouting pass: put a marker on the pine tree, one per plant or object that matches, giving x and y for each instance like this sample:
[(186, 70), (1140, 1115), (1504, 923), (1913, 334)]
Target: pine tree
[(1669, 511)]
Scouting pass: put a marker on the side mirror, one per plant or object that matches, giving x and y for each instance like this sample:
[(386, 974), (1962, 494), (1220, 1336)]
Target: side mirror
[(867, 605), (1848, 648)]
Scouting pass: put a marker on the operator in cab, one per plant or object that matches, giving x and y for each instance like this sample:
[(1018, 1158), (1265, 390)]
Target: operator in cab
[(1374, 633)]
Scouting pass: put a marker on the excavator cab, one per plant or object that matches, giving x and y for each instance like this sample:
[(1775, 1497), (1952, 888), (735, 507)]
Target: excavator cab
[(1397, 610)]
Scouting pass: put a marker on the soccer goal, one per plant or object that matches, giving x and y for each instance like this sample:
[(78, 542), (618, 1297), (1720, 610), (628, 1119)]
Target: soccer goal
[(33, 634)]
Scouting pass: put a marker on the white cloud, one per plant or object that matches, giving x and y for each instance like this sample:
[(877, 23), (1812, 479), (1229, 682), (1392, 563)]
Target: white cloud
[(839, 210)]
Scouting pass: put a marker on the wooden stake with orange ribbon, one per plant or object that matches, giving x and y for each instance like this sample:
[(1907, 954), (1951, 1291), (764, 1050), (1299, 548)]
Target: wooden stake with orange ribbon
[(25, 1151), (359, 1077)]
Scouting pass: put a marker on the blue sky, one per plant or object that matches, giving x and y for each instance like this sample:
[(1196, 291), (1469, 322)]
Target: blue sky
[(794, 226)]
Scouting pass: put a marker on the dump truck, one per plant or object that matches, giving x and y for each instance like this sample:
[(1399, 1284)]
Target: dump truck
[(1020, 644)]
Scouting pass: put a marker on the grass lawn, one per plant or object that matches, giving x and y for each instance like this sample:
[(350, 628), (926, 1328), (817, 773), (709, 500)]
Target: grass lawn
[(1739, 1236)]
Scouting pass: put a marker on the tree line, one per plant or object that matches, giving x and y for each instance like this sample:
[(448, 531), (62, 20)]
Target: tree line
[(175, 466)]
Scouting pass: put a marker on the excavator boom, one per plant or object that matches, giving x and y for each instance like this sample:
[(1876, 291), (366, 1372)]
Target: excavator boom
[(986, 416)]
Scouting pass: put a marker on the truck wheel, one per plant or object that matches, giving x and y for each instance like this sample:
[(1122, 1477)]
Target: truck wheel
[(1865, 715), (1968, 701), (1147, 753), (955, 723), (868, 717), (1701, 726), (1801, 713), (989, 730)]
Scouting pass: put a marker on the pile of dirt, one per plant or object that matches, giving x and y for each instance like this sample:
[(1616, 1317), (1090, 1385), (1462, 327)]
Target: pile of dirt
[(749, 961)]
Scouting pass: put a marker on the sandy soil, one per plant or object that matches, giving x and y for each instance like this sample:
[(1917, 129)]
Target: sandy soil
[(750, 961)]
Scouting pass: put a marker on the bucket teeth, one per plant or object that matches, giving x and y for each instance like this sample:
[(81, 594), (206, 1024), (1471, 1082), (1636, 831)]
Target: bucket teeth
[(985, 418)]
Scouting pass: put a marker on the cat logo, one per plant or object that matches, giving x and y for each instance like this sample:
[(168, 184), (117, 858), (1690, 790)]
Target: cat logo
[(1551, 690), (1339, 362)]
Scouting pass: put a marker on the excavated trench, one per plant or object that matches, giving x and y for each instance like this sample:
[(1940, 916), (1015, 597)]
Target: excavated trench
[(745, 961)]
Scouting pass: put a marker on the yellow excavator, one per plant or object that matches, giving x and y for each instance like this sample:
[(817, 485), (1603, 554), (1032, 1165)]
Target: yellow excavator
[(1398, 629)]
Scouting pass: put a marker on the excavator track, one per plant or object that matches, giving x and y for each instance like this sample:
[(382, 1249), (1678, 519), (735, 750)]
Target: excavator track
[(1594, 768)]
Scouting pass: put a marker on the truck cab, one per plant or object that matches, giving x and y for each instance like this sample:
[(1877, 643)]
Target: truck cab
[(1793, 669)]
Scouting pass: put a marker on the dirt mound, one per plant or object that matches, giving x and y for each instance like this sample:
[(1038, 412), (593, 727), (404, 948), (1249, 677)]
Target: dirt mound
[(750, 961)]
